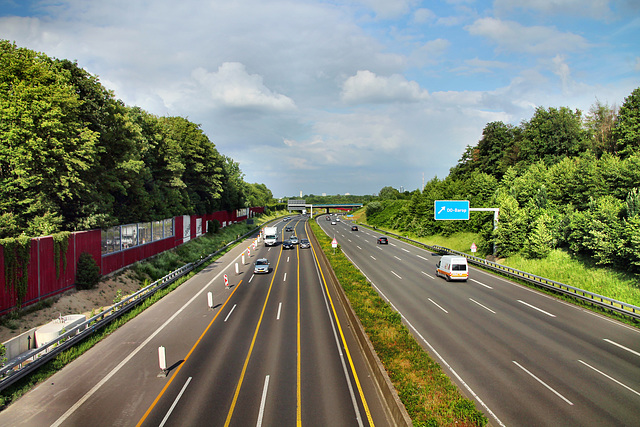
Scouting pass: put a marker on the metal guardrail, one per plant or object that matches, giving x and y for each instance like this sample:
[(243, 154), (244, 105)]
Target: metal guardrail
[(28, 362), (620, 307)]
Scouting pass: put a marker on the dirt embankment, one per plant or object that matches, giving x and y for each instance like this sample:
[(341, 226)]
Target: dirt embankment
[(72, 302)]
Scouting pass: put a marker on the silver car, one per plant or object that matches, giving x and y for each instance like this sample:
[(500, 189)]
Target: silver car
[(304, 244), (294, 240), (261, 266)]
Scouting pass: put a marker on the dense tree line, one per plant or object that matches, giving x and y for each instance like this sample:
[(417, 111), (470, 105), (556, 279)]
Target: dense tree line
[(73, 157), (561, 180)]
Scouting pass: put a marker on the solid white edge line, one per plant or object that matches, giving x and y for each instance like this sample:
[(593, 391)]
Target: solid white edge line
[(107, 377), (543, 383), (536, 308), (230, 311), (486, 308), (622, 347), (263, 401), (436, 304), (610, 377), (175, 402)]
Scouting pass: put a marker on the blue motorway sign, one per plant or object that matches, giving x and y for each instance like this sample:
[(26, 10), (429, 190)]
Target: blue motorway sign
[(451, 209)]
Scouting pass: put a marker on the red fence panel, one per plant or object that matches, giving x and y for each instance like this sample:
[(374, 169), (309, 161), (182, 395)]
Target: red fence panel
[(44, 281)]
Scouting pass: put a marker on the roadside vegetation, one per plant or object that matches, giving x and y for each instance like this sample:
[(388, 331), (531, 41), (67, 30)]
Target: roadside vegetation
[(429, 396), (568, 188), (147, 272)]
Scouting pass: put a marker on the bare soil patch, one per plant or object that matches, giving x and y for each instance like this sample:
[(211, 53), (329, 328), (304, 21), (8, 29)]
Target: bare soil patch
[(72, 302)]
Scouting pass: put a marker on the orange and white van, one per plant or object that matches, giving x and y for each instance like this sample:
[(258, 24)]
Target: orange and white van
[(453, 268)]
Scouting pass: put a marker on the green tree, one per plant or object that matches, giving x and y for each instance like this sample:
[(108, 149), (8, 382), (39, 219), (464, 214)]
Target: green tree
[(45, 147), (600, 122), (540, 240), (551, 135), (510, 234), (626, 132), (388, 193)]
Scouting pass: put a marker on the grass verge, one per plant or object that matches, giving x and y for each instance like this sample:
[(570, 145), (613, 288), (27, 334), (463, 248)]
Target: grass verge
[(429, 396)]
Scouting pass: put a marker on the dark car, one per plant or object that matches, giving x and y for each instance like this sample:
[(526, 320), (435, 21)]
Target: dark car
[(304, 243), (382, 240), (289, 228), (287, 244), (354, 228)]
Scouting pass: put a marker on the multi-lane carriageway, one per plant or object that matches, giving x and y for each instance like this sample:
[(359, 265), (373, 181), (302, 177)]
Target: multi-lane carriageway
[(526, 358), (276, 350)]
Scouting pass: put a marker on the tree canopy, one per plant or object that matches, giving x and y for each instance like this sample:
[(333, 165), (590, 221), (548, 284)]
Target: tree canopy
[(561, 180), (74, 157)]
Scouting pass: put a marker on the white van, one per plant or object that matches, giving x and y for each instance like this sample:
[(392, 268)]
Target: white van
[(453, 267)]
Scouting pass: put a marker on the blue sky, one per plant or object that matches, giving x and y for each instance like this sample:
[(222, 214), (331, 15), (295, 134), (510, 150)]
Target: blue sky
[(343, 96)]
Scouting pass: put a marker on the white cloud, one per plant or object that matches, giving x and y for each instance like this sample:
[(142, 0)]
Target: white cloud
[(596, 9), (430, 52), (477, 65), (513, 37), (561, 69), (232, 86), (385, 9), (367, 87), (423, 15)]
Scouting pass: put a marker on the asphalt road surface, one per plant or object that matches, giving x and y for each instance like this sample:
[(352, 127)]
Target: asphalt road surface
[(526, 358), (276, 349)]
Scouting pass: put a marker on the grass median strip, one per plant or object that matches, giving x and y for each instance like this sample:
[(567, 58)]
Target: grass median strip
[(430, 397)]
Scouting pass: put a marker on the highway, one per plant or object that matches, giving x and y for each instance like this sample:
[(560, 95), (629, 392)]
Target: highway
[(274, 350), (526, 358)]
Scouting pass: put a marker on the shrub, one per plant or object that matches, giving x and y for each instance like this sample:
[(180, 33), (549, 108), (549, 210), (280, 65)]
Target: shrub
[(88, 273), (214, 226)]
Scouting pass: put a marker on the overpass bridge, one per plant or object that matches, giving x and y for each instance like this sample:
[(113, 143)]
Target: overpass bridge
[(299, 205)]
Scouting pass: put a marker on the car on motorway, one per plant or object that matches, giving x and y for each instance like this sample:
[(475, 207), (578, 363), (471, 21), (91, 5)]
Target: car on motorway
[(287, 244), (261, 266), (333, 223), (328, 218), (354, 228), (304, 244), (382, 240), (289, 228), (294, 240), (453, 268)]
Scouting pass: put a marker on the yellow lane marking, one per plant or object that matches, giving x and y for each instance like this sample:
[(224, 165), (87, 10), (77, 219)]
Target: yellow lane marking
[(253, 341), (344, 343), (298, 373), (146, 414)]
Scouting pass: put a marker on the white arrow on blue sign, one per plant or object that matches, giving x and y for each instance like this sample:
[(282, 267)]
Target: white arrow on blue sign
[(451, 209)]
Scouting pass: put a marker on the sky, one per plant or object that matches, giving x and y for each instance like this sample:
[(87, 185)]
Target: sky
[(343, 96)]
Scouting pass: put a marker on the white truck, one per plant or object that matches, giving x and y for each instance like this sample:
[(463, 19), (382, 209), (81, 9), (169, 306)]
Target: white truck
[(270, 236)]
